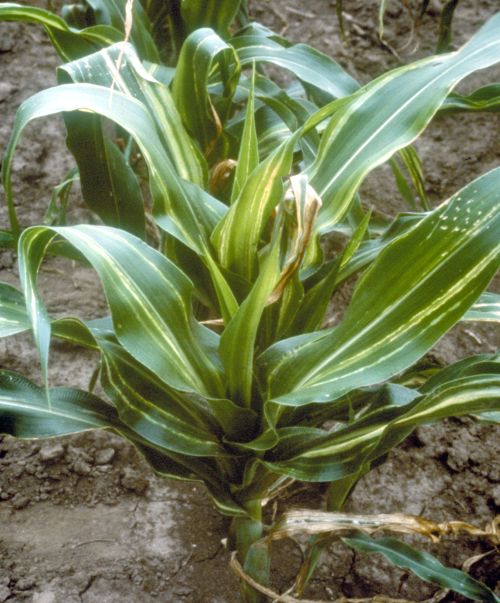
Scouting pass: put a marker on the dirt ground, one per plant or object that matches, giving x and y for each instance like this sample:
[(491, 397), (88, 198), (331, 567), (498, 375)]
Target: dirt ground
[(84, 520)]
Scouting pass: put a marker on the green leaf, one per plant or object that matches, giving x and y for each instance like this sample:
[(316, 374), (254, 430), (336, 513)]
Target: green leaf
[(370, 249), (332, 456), (487, 308), (149, 299), (237, 236), (135, 81), (381, 15), (13, 316), (85, 334), (26, 413), (388, 114), (178, 466), (113, 12), (294, 112), (69, 43), (315, 304), (474, 365), (445, 21), (486, 98), (413, 164), (241, 332), (202, 52), (227, 301), (423, 565), (58, 206), (181, 208), (248, 155), (216, 14), (215, 415), (470, 393), (108, 184), (401, 182), (7, 240), (419, 286), (309, 65), (488, 417), (271, 131), (151, 409)]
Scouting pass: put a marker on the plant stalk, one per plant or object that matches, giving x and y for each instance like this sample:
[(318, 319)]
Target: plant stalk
[(245, 532)]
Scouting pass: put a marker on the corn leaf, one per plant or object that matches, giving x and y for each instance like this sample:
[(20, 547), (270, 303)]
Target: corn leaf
[(178, 466), (201, 53), (248, 155), (445, 22), (13, 316), (148, 407), (181, 208), (133, 387), (487, 308), (216, 14), (309, 65), (370, 249), (135, 81), (108, 184), (113, 12), (474, 365), (7, 240), (419, 286), (25, 413), (413, 164), (482, 99), (388, 114), (149, 299), (314, 306), (423, 565), (329, 457), (238, 234), (241, 332), (69, 43)]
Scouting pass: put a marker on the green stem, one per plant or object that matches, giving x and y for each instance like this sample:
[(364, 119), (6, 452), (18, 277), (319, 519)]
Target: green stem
[(245, 533)]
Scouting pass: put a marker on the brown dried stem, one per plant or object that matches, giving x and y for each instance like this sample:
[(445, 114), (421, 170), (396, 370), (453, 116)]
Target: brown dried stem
[(285, 598)]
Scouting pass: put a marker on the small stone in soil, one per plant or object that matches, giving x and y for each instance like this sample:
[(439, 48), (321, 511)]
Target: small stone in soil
[(133, 480), (104, 456), (51, 452), (5, 90), (4, 593), (496, 495), (20, 502), (81, 467), (25, 583), (183, 591), (105, 468), (8, 39), (17, 471)]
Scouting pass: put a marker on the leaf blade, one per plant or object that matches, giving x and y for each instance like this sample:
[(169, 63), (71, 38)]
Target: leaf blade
[(149, 300), (424, 565), (417, 309)]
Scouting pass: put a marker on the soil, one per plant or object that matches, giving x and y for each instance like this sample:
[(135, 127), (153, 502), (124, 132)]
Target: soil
[(83, 519)]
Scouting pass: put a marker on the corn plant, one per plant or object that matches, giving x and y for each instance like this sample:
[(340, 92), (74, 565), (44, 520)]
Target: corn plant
[(217, 358), (447, 12)]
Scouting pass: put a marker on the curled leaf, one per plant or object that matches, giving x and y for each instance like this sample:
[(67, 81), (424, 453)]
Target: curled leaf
[(307, 205)]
